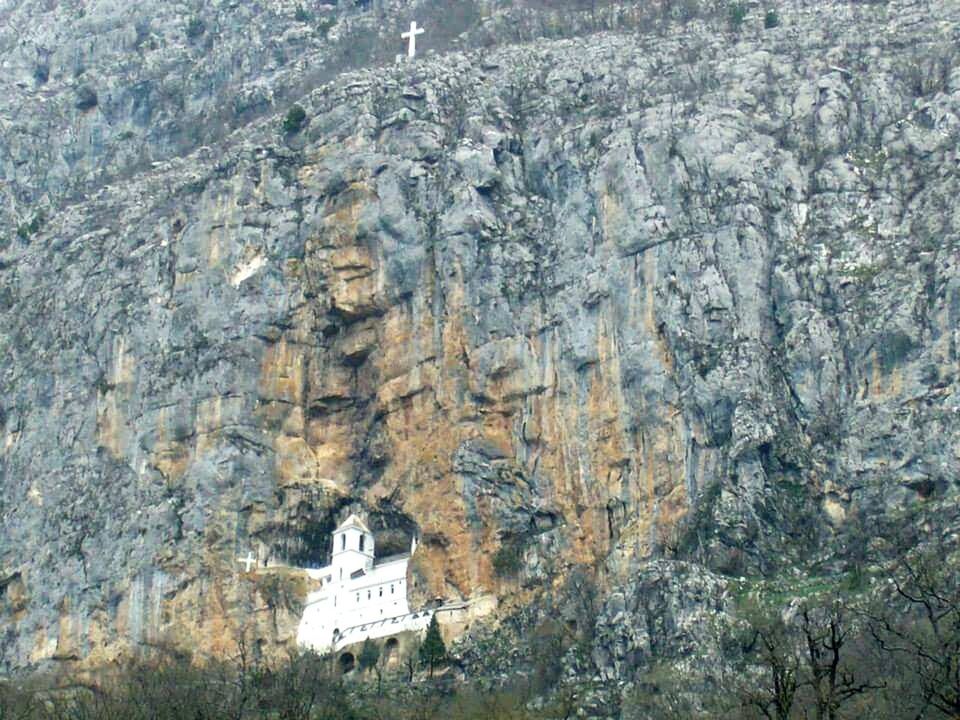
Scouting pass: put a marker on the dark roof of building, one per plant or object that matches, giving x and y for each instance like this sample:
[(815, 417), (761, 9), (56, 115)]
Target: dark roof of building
[(390, 559)]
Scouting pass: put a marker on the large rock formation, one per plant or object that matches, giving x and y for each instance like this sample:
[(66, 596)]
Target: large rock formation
[(568, 306)]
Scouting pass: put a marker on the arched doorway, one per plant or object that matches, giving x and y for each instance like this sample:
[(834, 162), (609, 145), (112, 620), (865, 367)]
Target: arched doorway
[(391, 656), (347, 663)]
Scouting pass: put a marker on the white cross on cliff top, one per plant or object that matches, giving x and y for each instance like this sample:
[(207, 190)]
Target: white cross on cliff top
[(248, 561), (412, 36)]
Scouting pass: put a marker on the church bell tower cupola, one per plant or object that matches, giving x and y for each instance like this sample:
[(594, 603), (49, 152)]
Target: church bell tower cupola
[(352, 548)]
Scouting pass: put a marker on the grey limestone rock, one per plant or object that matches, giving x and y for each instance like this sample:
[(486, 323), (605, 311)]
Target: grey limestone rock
[(680, 305)]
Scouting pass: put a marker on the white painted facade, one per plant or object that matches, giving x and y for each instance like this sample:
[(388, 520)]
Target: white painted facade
[(359, 597)]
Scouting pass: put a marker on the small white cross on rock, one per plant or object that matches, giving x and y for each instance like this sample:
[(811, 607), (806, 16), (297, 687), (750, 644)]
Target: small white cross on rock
[(412, 37), (248, 561)]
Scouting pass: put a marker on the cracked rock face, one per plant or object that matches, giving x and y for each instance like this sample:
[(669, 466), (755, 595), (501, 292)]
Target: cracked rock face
[(591, 302)]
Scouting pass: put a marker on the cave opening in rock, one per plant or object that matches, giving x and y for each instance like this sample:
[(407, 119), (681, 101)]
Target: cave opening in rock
[(347, 663), (302, 534), (393, 530), (308, 543), (304, 537)]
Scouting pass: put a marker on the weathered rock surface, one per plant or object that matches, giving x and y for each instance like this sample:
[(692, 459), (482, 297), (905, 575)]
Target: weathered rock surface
[(578, 304)]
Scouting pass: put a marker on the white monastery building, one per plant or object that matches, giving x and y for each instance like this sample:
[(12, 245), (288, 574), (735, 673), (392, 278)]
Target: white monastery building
[(359, 597)]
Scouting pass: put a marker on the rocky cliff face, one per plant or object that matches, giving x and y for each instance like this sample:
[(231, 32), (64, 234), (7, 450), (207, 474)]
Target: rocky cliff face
[(670, 310)]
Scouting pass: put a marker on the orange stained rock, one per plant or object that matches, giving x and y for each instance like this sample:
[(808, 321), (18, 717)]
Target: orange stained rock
[(282, 372)]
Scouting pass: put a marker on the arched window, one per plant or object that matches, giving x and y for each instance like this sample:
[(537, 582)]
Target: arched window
[(368, 594), (390, 649), (362, 542), (343, 541), (391, 589), (381, 591), (358, 597)]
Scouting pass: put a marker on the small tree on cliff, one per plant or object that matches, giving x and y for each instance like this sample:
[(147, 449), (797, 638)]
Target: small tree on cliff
[(774, 691), (411, 658), (370, 660), (369, 654), (433, 651)]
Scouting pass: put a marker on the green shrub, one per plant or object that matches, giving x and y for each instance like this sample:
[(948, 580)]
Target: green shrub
[(86, 98), (301, 15), (281, 591), (195, 28), (295, 119), (325, 23), (736, 14), (771, 19), (27, 229), (508, 559)]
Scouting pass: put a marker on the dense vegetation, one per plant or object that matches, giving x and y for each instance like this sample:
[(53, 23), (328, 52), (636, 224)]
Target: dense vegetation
[(889, 647)]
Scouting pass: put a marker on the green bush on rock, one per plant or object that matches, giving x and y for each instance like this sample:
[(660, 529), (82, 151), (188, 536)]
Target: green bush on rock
[(294, 120)]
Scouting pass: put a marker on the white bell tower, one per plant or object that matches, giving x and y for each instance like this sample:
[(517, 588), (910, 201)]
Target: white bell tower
[(352, 548)]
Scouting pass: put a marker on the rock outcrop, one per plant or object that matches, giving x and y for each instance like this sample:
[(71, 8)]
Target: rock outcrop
[(688, 298)]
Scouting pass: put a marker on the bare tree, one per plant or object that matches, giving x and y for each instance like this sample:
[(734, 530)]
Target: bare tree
[(920, 630), (774, 692), (14, 703), (661, 693), (411, 659), (299, 684), (826, 631)]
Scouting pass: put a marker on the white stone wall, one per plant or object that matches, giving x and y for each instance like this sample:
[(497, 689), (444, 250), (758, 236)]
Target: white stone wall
[(377, 596), (380, 593), (372, 604), (383, 628)]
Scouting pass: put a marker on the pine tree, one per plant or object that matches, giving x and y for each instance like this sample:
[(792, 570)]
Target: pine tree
[(369, 654), (433, 651), (370, 659)]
